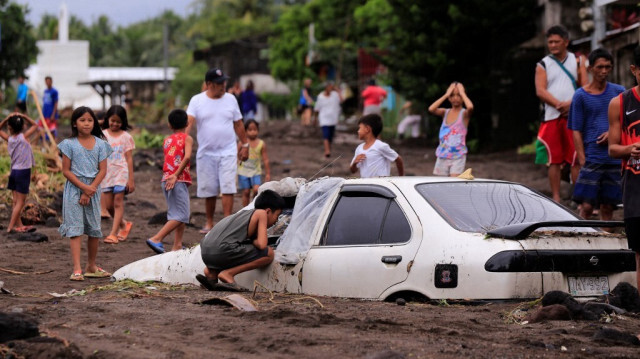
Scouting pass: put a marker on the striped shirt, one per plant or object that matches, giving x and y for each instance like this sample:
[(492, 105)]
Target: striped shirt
[(589, 115)]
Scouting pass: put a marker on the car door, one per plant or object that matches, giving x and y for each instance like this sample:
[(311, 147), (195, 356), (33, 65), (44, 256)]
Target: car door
[(368, 244)]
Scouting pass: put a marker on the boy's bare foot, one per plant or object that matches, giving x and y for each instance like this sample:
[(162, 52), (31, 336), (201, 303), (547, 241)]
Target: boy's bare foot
[(225, 277)]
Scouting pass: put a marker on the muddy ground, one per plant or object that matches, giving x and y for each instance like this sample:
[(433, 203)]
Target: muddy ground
[(107, 320)]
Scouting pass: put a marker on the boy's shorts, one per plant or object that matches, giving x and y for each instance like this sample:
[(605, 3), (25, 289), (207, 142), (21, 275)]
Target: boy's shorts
[(178, 205), (598, 184), (243, 253), (245, 182), (632, 229), (445, 167), (19, 180), (557, 143), (114, 189), (328, 132), (216, 174)]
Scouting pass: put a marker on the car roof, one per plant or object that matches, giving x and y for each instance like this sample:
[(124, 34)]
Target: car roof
[(414, 180)]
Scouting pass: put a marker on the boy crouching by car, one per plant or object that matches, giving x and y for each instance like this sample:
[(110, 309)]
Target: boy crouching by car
[(238, 243)]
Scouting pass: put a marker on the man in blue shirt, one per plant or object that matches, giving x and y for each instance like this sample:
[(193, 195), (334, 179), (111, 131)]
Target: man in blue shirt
[(50, 106), (21, 98), (599, 182)]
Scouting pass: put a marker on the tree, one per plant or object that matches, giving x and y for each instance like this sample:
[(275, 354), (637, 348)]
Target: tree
[(429, 45), (336, 37), (18, 44)]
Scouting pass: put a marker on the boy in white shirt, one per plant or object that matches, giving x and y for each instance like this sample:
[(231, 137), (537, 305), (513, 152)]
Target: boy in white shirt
[(374, 157)]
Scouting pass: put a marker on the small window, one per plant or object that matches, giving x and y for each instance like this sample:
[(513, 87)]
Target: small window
[(396, 228), (359, 219)]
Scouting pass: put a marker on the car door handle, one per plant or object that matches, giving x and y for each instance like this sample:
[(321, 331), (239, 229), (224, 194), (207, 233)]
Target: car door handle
[(391, 259)]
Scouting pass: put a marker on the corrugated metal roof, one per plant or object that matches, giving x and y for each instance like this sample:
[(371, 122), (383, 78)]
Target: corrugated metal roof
[(98, 74)]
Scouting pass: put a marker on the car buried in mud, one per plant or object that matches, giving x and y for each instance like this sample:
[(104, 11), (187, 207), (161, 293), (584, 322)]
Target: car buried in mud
[(429, 237)]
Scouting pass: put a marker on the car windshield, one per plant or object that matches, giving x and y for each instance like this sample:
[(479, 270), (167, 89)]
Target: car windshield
[(482, 206)]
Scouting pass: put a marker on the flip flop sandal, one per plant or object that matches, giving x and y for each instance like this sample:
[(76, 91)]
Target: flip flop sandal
[(208, 284), (156, 247), (124, 233), (99, 273), (204, 230), (76, 277), (23, 229), (111, 239)]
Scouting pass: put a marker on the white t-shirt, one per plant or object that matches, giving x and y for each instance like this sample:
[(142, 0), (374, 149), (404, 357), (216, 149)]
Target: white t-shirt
[(328, 108), (378, 159), (214, 123)]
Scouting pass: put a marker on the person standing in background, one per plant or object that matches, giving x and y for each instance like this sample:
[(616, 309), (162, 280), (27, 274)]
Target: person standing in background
[(249, 103), (558, 75), (305, 103), (373, 96), (50, 106), (21, 98)]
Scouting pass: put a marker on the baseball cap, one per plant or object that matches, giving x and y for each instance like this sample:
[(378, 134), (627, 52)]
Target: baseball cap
[(215, 75)]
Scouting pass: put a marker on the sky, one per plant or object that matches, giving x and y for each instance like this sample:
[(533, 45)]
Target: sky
[(120, 12)]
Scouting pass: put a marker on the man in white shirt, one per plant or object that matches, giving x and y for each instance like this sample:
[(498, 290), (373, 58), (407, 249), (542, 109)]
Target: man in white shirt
[(218, 121), (328, 109)]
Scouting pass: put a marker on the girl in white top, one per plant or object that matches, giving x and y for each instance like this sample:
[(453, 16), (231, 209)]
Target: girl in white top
[(119, 178)]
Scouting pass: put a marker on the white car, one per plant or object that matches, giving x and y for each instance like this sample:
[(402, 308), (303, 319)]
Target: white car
[(430, 237)]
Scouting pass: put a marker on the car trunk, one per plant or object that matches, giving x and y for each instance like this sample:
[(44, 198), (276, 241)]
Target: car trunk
[(584, 264)]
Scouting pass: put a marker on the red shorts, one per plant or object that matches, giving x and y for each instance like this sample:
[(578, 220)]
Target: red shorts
[(557, 138)]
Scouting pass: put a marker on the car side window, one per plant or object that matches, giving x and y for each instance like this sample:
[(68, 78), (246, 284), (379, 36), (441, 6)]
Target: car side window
[(362, 219), (396, 227)]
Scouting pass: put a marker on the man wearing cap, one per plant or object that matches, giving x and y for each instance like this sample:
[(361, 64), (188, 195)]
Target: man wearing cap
[(218, 121)]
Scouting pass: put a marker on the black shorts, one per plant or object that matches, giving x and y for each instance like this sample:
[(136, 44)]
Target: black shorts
[(19, 180), (632, 228), (243, 253)]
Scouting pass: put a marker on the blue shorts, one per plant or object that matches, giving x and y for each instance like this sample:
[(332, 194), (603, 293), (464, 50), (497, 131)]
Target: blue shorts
[(598, 184), (114, 189), (19, 180), (328, 132), (248, 182)]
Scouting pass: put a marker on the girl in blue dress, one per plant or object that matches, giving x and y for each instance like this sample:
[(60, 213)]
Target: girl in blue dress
[(84, 164)]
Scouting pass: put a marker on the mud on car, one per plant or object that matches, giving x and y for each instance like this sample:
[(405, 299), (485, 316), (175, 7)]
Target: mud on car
[(434, 237)]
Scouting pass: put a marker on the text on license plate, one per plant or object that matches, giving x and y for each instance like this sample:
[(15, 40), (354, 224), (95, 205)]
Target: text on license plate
[(588, 286)]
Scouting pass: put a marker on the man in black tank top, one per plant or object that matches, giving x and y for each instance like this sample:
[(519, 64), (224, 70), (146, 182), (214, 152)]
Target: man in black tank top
[(624, 143)]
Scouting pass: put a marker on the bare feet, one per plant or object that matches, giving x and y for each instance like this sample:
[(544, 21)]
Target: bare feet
[(225, 277)]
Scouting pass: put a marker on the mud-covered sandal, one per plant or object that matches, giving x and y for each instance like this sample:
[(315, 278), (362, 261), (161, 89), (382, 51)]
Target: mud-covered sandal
[(99, 273), (77, 277), (111, 239), (206, 283), (124, 233)]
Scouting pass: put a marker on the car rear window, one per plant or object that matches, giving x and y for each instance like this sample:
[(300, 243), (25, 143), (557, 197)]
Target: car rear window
[(482, 206)]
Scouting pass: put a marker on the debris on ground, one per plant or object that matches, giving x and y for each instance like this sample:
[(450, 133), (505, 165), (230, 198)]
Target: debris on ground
[(234, 300), (17, 326)]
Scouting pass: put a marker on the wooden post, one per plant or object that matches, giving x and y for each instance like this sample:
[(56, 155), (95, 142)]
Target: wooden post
[(51, 144)]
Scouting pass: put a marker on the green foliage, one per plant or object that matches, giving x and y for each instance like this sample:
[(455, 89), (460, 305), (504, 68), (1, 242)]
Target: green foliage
[(429, 45), (280, 103), (146, 139), (188, 80), (18, 43)]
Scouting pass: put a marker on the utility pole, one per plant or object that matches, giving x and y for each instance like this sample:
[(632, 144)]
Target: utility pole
[(599, 23), (165, 44)]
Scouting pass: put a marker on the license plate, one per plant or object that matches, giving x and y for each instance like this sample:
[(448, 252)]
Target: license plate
[(588, 286)]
